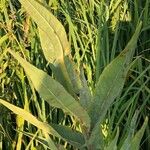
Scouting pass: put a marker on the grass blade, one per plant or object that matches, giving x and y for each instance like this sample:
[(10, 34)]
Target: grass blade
[(30, 118), (135, 144)]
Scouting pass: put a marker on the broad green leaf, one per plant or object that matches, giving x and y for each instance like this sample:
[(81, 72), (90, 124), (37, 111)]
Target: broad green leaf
[(51, 30), (73, 137), (135, 143), (51, 49), (53, 40), (52, 91), (111, 82), (55, 56), (52, 56), (96, 140)]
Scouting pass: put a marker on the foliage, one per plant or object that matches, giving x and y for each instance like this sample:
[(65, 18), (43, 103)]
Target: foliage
[(88, 92)]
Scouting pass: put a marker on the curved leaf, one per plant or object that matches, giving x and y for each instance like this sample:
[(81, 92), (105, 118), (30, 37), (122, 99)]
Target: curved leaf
[(52, 91), (51, 30)]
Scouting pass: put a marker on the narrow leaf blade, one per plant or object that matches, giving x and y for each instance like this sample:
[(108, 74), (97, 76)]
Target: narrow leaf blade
[(135, 144), (30, 118)]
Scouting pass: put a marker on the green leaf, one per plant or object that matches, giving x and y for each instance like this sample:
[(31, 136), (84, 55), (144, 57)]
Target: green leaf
[(51, 49), (52, 91), (112, 80), (130, 133), (74, 73), (73, 137), (52, 33), (110, 83), (135, 143), (85, 93), (53, 40), (113, 144), (55, 56), (61, 74)]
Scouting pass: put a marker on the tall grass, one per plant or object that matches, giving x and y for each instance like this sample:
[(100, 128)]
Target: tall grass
[(97, 32)]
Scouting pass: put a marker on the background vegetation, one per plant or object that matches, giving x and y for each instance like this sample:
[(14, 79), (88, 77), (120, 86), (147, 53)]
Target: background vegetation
[(97, 30)]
